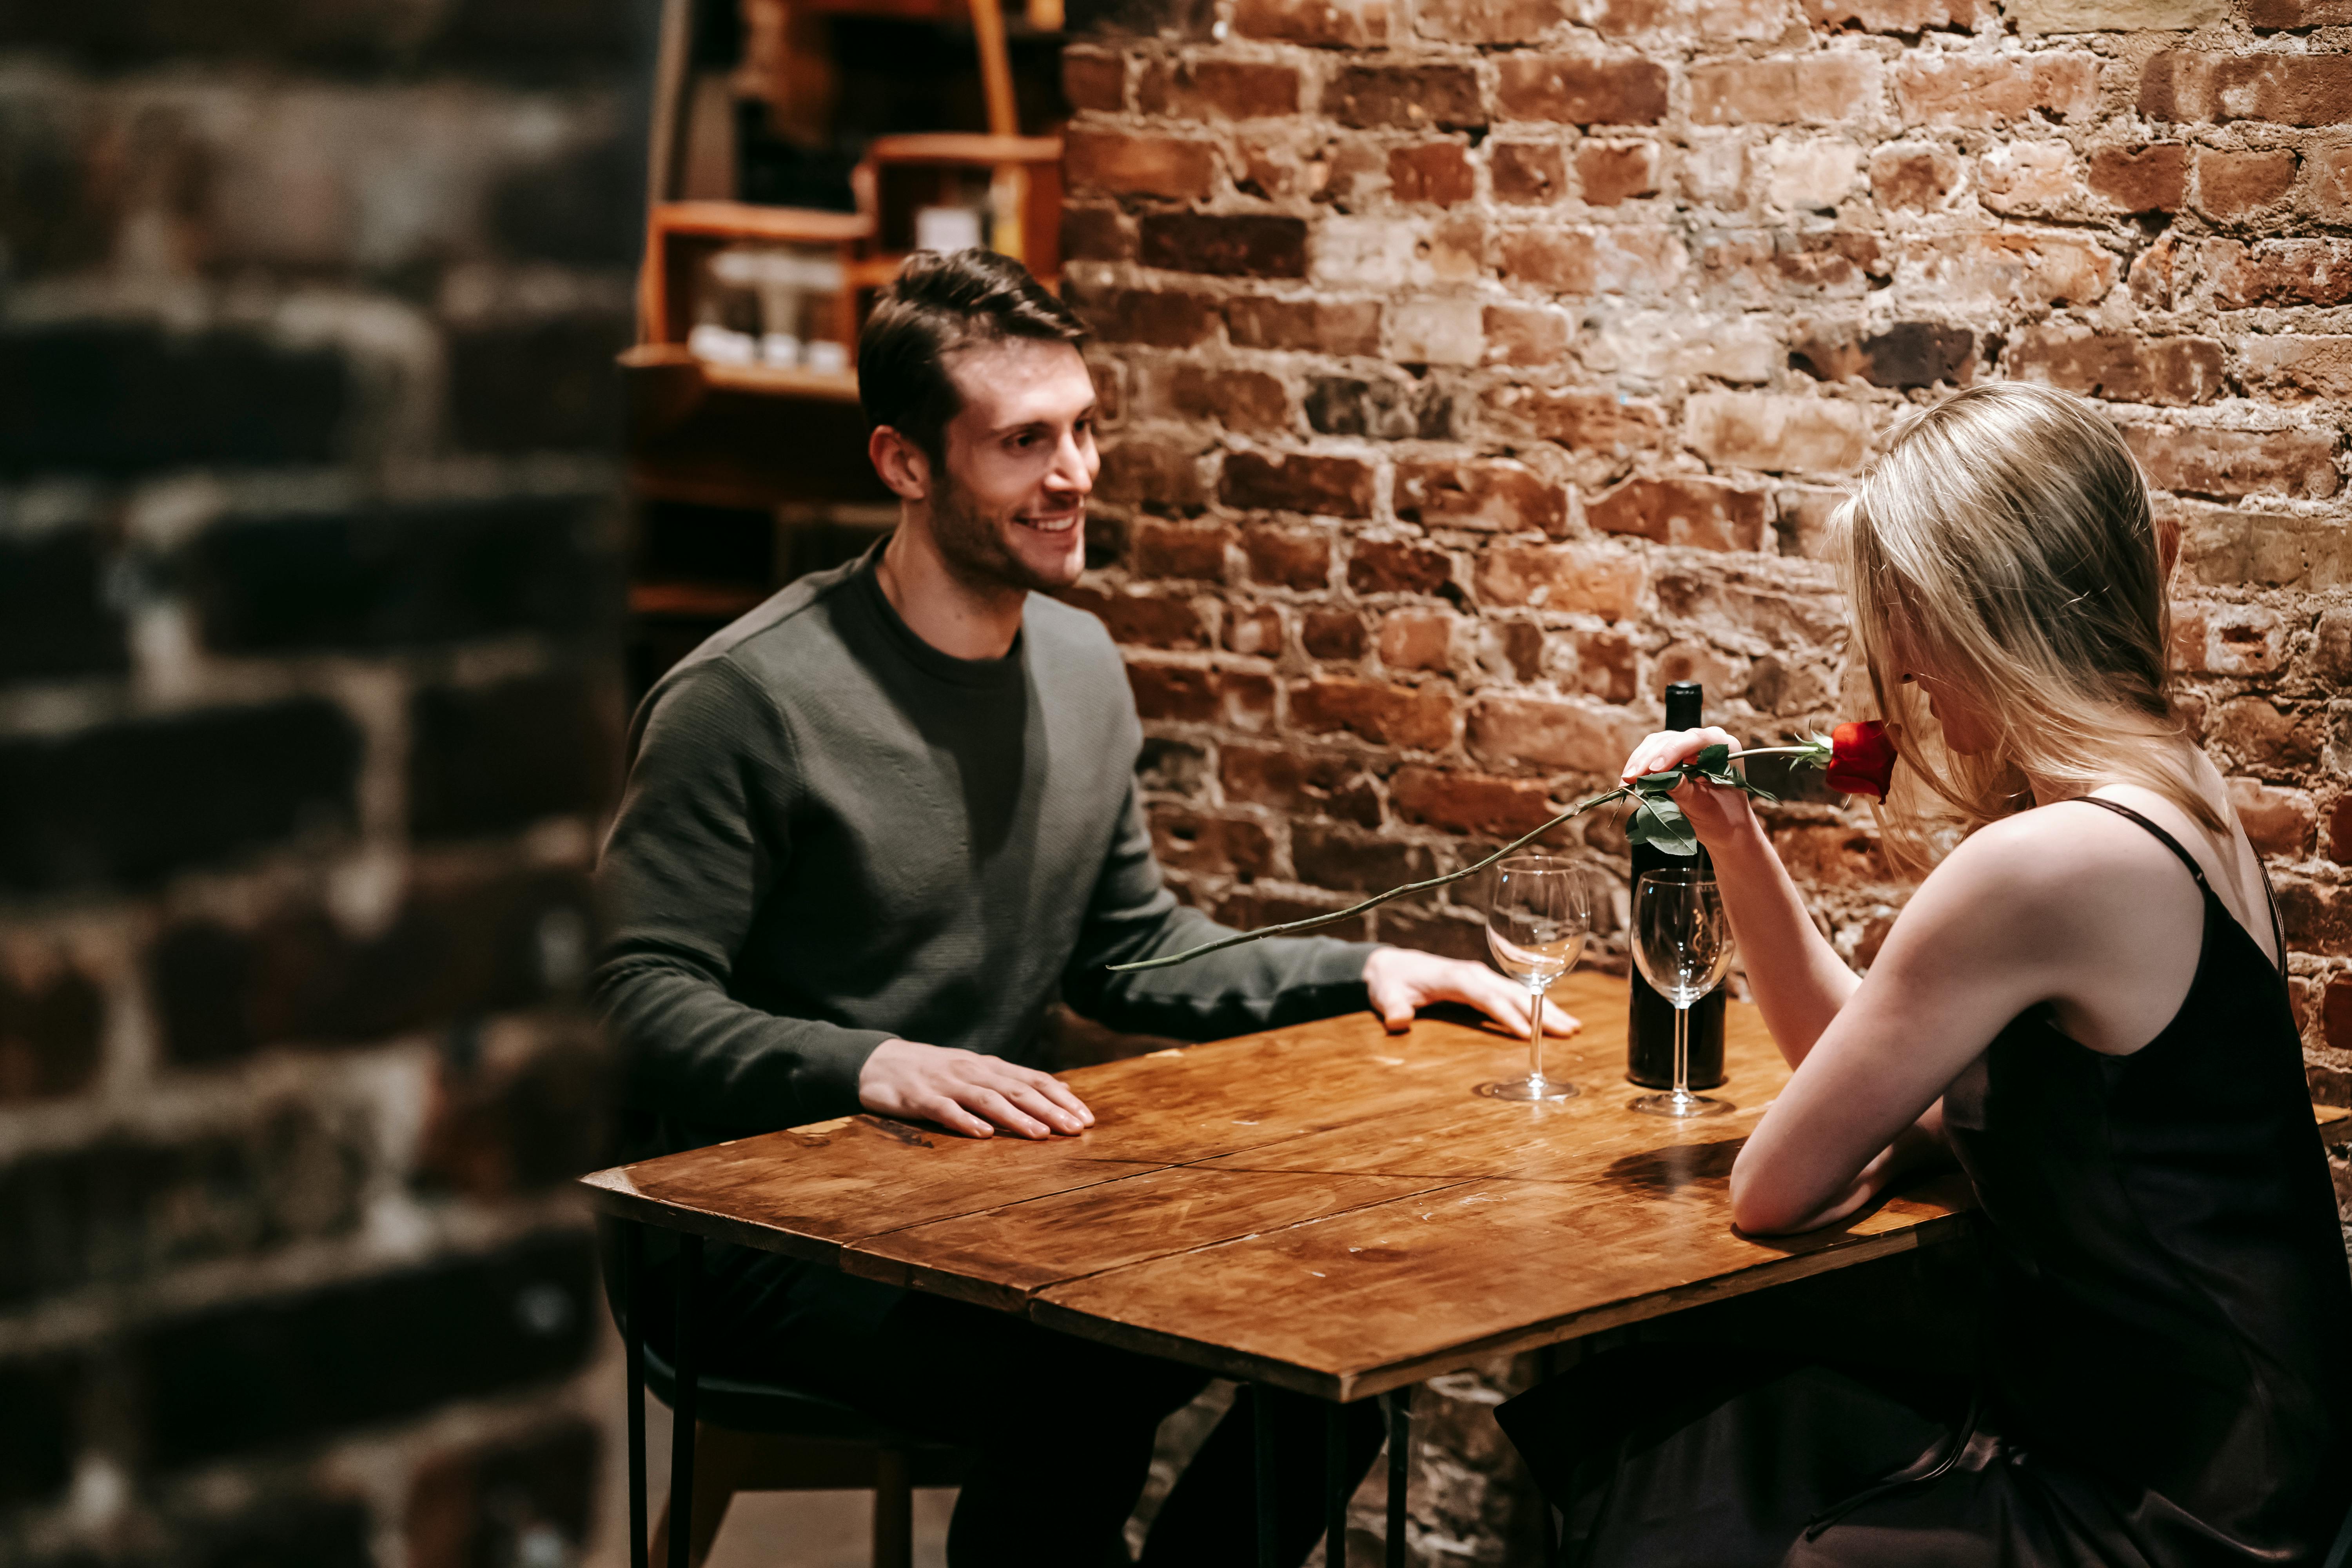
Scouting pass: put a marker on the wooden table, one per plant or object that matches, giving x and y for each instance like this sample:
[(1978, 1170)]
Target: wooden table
[(1327, 1208)]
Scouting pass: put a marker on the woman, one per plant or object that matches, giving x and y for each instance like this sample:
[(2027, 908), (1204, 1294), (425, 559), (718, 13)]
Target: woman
[(2084, 1003)]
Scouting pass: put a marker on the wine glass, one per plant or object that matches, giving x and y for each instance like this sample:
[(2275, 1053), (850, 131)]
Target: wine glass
[(1684, 944), (1536, 923)]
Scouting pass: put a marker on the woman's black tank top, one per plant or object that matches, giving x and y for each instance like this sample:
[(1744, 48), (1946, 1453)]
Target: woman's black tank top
[(2172, 1311)]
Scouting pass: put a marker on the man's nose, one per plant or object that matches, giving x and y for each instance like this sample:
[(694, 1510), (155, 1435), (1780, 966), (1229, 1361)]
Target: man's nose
[(1071, 472)]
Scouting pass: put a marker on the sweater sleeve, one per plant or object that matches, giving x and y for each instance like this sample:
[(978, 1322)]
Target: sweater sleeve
[(1259, 986), (702, 832)]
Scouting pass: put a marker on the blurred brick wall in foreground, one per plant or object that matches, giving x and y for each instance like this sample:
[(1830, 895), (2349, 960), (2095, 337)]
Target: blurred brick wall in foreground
[(307, 704), (1479, 366)]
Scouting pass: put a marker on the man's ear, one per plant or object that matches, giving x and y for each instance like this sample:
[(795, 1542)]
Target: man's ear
[(904, 467)]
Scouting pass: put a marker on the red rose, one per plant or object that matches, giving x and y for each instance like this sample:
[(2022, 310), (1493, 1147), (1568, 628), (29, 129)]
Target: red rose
[(1861, 759)]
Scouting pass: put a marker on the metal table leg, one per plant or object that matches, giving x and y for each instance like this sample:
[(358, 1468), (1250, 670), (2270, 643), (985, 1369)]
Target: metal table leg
[(681, 1446), (632, 1268), (1335, 1485), (1400, 1470), (1269, 1549)]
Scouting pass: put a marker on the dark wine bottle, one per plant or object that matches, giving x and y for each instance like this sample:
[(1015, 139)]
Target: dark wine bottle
[(1650, 1021)]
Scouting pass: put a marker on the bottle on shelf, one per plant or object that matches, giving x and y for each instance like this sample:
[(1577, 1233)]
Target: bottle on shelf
[(1650, 1022)]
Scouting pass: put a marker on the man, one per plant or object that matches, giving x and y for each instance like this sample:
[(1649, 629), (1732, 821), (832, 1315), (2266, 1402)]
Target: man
[(871, 832)]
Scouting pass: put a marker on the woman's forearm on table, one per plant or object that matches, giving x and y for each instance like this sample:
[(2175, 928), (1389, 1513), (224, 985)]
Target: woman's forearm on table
[(1798, 980)]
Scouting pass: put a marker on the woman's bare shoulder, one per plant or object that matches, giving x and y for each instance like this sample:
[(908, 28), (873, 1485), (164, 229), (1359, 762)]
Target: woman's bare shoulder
[(2050, 873)]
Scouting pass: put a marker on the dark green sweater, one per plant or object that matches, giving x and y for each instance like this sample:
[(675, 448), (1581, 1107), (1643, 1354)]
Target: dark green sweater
[(833, 834)]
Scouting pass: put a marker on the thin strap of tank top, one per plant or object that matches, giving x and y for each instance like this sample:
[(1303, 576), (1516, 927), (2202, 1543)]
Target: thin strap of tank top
[(2278, 931)]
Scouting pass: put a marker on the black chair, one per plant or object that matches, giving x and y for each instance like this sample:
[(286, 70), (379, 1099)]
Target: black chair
[(753, 1437)]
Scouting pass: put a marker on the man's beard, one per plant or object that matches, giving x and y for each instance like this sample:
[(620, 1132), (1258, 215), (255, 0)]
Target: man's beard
[(973, 547)]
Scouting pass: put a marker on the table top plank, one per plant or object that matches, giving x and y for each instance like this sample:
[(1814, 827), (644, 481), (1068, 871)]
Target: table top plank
[(999, 1257)]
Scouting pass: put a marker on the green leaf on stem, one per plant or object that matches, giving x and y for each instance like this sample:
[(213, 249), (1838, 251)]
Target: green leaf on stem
[(1659, 823), (1712, 760)]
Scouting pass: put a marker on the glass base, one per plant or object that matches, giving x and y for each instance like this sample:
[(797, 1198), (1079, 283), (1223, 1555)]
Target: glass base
[(1680, 1106), (1531, 1089)]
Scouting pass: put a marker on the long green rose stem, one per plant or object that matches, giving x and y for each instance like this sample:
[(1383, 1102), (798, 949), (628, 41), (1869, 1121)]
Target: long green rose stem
[(1815, 751)]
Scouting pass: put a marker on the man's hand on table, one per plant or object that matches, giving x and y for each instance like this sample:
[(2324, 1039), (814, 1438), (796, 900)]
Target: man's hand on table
[(967, 1093), (1402, 982)]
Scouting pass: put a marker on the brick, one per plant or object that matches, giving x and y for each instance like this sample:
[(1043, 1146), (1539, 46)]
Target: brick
[(2292, 366), (455, 948), (1334, 857), (1154, 475), (1622, 258), (2280, 272), (1527, 173), (566, 206), (1515, 648), (123, 398), (120, 1207), (1591, 579), (1202, 845), (1247, 400), (1217, 90), (1342, 327), (132, 802), (1096, 81), (2277, 821), (1194, 551), (1608, 172), (1094, 232), (2227, 463), (512, 1500), (1580, 737), (1601, 429), (2120, 366), (1297, 481), (2039, 16), (1389, 408), (1417, 640), (55, 618), (1606, 664), (52, 1029), (533, 40), (38, 1441), (1447, 935), (504, 1125), (1681, 24), (2232, 549), (1523, 335), (541, 385), (1185, 694), (1416, 717), (1988, 92), (2339, 850), (1811, 175), (1475, 804), (1911, 177), (1581, 89), (1332, 633), (1302, 782), (1368, 98), (2336, 1013), (2317, 917), (1145, 620), (1907, 354), (1700, 514), (1984, 271), (1802, 89), (1831, 856), (1166, 319), (2261, 737), (1487, 21), (2327, 192), (2331, 655), (391, 575), (1436, 172), (1897, 15), (282, 1372), (1778, 435), (2141, 179), (1287, 557), (1251, 909), (1752, 269), (493, 759), (1503, 495), (1443, 331), (1233, 244), (1395, 253), (1255, 630), (1660, 345), (1178, 168), (1398, 566), (2031, 178), (2195, 86), (2298, 13), (2229, 640), (1334, 24), (1175, 767), (2234, 186)]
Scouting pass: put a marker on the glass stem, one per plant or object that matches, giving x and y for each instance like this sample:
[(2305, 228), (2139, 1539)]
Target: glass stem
[(1535, 1040), (1682, 1053)]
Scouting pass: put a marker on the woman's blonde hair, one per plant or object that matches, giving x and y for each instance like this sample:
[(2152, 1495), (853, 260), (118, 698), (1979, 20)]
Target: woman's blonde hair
[(2004, 542)]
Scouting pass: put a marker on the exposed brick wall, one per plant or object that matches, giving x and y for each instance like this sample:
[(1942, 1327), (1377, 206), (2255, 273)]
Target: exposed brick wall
[(1479, 366), (308, 703)]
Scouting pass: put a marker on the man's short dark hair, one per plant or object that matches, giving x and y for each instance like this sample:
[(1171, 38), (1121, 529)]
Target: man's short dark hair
[(940, 303)]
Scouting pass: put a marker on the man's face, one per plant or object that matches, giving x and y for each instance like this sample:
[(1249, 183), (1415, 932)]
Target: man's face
[(1011, 508)]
